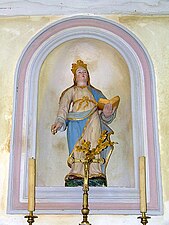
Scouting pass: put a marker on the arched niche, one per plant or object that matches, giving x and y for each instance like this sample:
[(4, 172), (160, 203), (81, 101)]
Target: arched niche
[(143, 138)]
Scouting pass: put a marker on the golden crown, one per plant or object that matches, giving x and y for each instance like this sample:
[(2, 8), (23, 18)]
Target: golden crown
[(75, 66)]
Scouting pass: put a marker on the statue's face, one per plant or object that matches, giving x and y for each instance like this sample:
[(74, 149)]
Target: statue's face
[(81, 76)]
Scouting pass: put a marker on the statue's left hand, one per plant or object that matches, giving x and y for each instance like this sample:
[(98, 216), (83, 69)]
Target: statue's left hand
[(107, 110)]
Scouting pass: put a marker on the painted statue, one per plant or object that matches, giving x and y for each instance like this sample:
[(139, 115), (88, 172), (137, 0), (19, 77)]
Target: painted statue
[(79, 114)]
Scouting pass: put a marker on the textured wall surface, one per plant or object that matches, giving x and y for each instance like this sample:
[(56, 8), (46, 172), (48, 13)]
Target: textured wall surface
[(65, 7)]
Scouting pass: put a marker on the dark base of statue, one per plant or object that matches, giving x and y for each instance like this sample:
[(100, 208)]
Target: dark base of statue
[(93, 182)]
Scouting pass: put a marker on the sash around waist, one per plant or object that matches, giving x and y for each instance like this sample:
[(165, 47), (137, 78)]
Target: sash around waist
[(81, 115)]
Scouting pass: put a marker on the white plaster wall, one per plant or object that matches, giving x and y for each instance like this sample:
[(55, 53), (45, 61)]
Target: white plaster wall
[(65, 7)]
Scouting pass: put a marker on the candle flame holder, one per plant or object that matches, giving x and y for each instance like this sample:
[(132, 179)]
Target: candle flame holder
[(30, 218), (144, 218)]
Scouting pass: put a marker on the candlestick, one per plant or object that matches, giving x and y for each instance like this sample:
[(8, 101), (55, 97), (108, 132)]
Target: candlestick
[(143, 200), (30, 218), (31, 185), (144, 218)]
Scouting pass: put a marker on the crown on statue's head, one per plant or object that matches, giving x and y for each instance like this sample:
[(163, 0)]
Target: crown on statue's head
[(78, 64)]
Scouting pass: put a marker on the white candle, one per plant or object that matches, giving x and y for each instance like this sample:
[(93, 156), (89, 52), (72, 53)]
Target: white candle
[(31, 184), (142, 169)]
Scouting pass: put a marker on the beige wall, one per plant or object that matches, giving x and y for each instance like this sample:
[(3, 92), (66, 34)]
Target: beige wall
[(15, 33)]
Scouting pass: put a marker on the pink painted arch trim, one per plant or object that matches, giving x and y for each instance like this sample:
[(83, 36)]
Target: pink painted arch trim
[(21, 76)]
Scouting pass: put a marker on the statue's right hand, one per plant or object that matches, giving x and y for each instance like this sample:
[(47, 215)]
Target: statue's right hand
[(55, 127)]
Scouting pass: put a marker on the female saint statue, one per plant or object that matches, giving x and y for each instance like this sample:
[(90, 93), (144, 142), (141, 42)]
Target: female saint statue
[(79, 114)]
